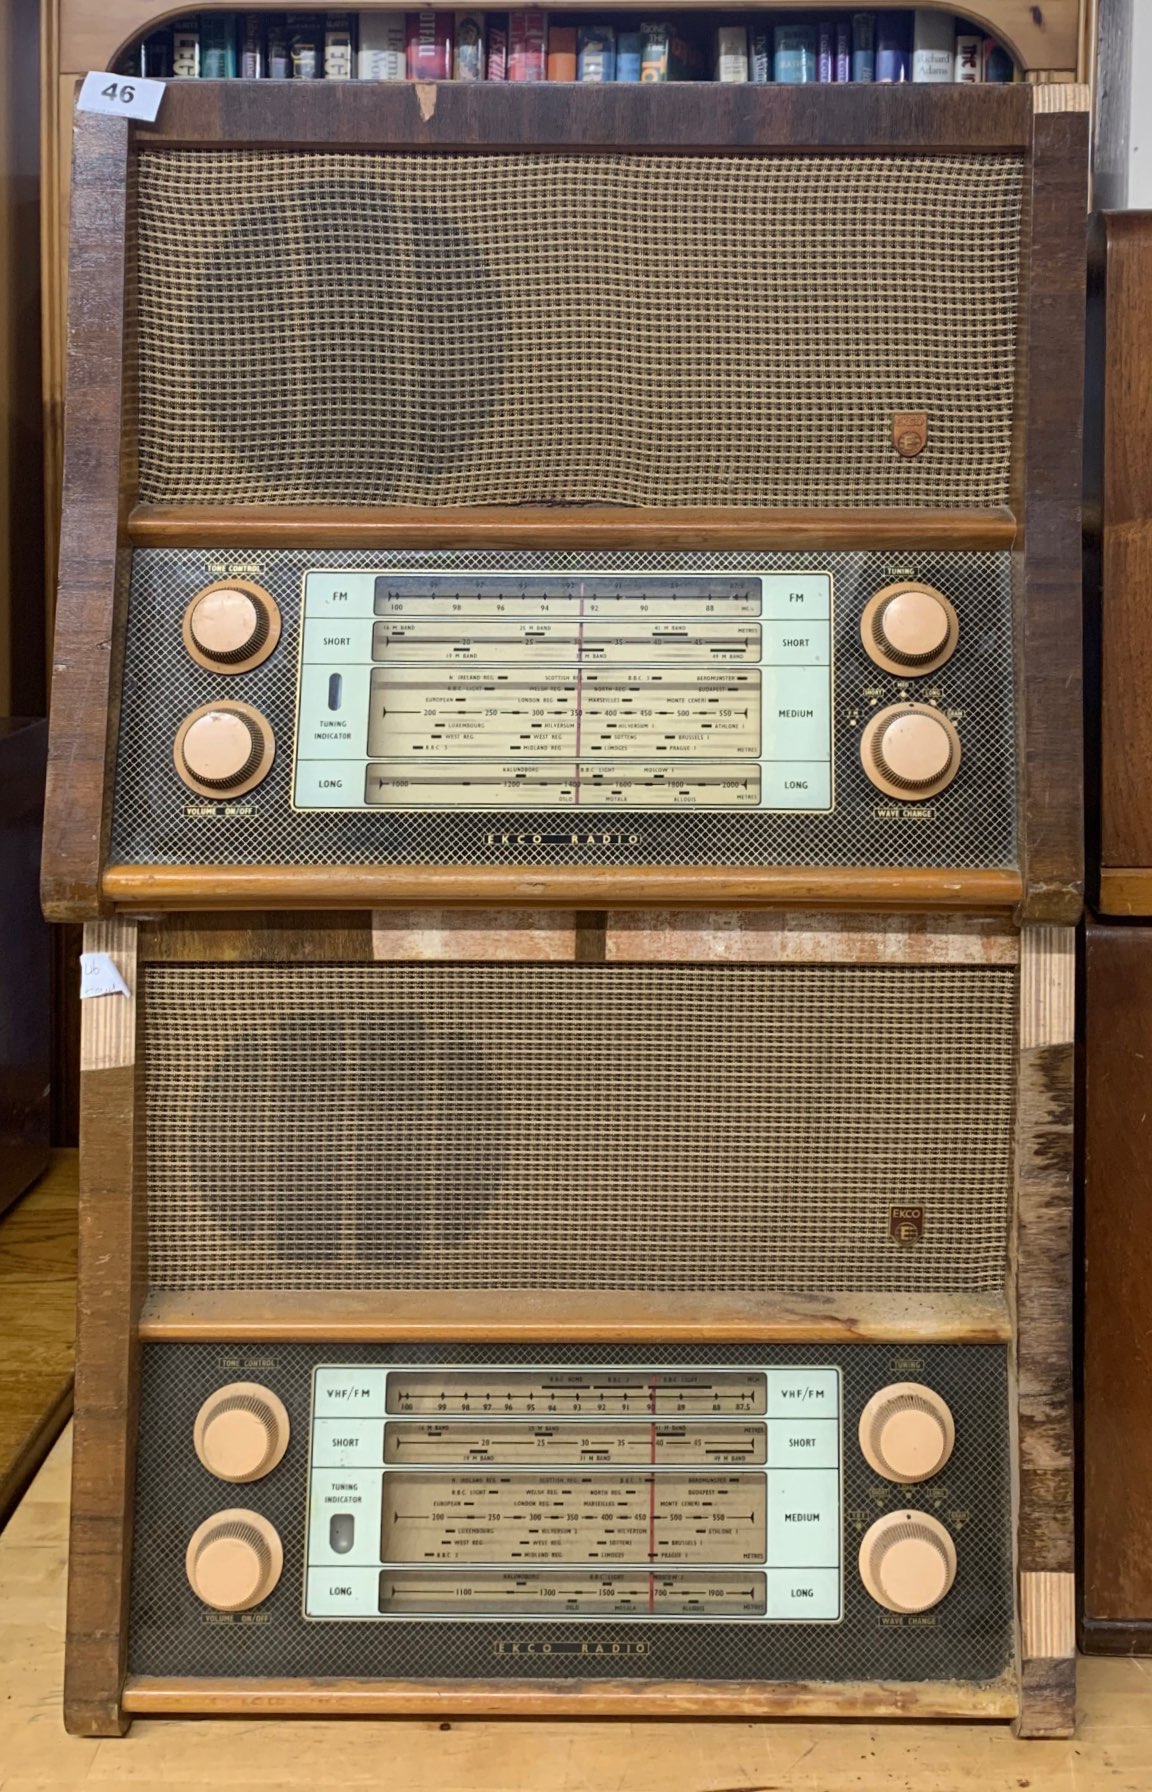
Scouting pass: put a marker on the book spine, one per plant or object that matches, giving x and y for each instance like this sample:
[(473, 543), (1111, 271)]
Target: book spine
[(629, 47), (863, 46), (468, 55), (933, 45), (760, 54), (382, 54), (527, 45), (186, 49), (562, 53), (795, 54), (218, 47), (892, 57), (277, 54), (339, 46), (497, 60), (654, 51), (304, 39), (843, 70), (997, 62), (252, 63), (732, 53), (825, 50), (429, 46), (596, 53), (968, 61)]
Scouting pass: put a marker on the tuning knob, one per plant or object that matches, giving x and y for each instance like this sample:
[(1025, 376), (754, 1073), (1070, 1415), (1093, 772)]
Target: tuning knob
[(910, 750), (241, 1432), (234, 1560), (232, 626), (907, 1561), (907, 1432), (909, 628), (223, 749)]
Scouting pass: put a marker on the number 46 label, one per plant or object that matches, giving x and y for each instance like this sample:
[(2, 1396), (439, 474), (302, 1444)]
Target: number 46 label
[(124, 96)]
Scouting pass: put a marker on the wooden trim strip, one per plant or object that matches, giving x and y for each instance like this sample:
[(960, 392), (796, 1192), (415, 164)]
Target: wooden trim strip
[(485, 936), (595, 527), (1047, 1616), (679, 119), (731, 936), (1047, 986), (1125, 891), (372, 1316), (146, 1696), (108, 1023), (209, 887)]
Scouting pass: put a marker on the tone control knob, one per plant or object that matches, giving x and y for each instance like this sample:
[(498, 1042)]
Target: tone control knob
[(234, 1560), (224, 748), (907, 1432), (241, 1432), (910, 750), (909, 628), (907, 1561), (231, 626)]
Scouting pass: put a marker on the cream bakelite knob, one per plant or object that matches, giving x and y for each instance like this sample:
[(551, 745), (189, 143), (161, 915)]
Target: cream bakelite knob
[(234, 1560), (241, 1432), (225, 747), (907, 1561), (232, 626), (907, 1432), (909, 628), (910, 750)]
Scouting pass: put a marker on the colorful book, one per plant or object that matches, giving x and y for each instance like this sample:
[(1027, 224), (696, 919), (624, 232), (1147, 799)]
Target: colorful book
[(562, 53), (339, 46), (863, 46), (933, 45), (731, 53), (843, 68), (893, 55), (655, 49), (596, 53), (497, 56), (382, 52), (468, 55), (825, 50), (186, 48), (996, 62), (794, 53), (968, 60), (305, 37), (527, 45), (429, 43), (217, 47), (629, 48)]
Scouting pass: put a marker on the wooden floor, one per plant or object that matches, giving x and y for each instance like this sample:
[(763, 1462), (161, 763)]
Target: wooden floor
[(37, 1325), (1113, 1750)]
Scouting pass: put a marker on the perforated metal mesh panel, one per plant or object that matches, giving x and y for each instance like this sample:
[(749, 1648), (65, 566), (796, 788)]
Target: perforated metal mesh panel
[(577, 1127), (529, 328)]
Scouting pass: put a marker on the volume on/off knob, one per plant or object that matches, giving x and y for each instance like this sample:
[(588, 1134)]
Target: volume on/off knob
[(907, 1432), (224, 748), (907, 1561), (910, 750), (232, 626), (241, 1432), (909, 628), (234, 1560)]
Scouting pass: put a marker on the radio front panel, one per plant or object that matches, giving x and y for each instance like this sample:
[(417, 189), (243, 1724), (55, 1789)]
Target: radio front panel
[(503, 708), (510, 1512)]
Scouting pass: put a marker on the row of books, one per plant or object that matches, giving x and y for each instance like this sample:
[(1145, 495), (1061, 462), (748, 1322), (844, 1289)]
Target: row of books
[(534, 45)]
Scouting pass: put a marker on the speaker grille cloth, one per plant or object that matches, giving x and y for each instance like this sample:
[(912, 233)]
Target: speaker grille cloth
[(578, 1127), (530, 328)]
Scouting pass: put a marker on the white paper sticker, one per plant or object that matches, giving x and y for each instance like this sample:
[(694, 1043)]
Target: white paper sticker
[(99, 976), (124, 96)]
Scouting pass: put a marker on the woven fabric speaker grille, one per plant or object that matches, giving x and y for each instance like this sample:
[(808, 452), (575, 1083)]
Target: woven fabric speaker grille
[(529, 328), (702, 1128)]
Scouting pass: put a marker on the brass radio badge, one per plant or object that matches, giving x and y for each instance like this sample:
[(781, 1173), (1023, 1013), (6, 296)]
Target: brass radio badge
[(910, 433), (905, 1224)]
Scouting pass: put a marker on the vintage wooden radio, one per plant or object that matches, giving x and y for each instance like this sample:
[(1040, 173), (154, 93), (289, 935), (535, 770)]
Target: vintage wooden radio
[(567, 730)]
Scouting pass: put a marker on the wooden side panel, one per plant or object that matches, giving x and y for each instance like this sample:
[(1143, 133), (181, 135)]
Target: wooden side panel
[(111, 1286), (1045, 1540), (1048, 503), (83, 689), (1123, 353), (1117, 1434)]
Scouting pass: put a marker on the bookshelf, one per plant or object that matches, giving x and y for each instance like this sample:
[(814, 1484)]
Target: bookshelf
[(1051, 44)]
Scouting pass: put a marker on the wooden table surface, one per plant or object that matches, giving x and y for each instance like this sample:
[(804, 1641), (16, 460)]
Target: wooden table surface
[(1113, 1750)]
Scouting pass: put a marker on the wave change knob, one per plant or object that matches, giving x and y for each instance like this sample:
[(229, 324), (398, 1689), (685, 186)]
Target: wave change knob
[(907, 1561), (234, 1560), (241, 1432), (910, 750)]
